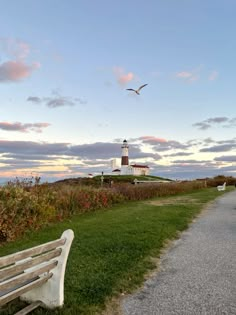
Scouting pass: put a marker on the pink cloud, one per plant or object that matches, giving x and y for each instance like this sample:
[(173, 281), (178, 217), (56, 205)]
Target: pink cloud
[(16, 70), (14, 48), (18, 126), (122, 77), (153, 139)]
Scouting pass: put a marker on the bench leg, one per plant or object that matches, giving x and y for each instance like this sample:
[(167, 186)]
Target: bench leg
[(29, 308), (51, 293)]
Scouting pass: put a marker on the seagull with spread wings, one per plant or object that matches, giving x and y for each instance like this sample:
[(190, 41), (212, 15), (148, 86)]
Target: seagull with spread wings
[(138, 90)]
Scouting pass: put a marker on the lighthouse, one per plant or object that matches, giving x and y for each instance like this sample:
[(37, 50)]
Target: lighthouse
[(124, 157), (126, 169)]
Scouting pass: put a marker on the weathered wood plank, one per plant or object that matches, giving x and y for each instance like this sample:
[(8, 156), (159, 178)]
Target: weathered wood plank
[(37, 250), (19, 268), (16, 293), (12, 283), (29, 308)]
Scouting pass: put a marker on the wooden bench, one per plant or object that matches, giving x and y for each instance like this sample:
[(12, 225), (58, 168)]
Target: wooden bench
[(36, 275), (221, 187)]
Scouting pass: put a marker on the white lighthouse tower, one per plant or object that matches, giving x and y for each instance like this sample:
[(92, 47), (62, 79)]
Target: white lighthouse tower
[(124, 158)]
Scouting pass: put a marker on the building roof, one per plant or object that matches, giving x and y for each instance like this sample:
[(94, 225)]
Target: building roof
[(140, 166)]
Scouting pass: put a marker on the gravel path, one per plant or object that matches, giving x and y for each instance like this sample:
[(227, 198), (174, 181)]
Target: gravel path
[(198, 274)]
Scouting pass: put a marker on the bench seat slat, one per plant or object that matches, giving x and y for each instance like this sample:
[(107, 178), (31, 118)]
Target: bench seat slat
[(27, 276), (19, 268), (29, 308), (37, 250), (16, 293)]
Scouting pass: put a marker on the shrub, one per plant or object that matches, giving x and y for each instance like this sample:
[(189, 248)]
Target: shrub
[(23, 208), (219, 180)]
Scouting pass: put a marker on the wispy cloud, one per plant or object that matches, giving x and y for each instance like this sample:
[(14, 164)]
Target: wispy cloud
[(210, 122), (122, 77), (213, 75), (178, 154), (17, 126), (189, 76), (14, 48), (56, 100)]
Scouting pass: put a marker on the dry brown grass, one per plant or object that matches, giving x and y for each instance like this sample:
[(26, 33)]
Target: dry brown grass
[(172, 201)]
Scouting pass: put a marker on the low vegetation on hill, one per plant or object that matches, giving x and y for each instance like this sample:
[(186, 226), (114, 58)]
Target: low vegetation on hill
[(96, 180), (28, 205)]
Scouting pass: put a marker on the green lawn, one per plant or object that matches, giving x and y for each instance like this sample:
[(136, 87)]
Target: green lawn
[(112, 248)]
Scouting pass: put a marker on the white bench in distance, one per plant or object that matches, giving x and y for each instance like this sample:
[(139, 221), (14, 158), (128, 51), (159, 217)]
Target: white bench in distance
[(221, 187), (36, 275)]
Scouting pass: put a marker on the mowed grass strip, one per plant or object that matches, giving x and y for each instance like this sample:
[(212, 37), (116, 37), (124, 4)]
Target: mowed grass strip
[(112, 248)]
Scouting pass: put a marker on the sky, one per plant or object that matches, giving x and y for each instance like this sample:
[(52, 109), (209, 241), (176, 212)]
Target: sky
[(64, 70)]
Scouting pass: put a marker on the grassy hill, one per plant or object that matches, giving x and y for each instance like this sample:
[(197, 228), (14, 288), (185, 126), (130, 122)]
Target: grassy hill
[(96, 180)]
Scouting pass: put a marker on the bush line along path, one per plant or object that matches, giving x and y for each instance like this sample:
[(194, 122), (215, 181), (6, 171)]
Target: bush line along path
[(113, 248)]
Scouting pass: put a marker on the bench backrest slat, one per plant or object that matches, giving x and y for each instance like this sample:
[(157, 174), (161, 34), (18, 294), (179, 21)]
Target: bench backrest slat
[(37, 250), (12, 283), (19, 268), (14, 294)]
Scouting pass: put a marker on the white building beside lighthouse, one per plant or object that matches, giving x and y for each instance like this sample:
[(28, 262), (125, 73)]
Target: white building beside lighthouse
[(126, 168)]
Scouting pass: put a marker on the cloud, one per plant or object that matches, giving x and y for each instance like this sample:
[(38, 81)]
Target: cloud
[(56, 100), (31, 147), (30, 157), (17, 126), (152, 140), (15, 68), (188, 76), (160, 144), (213, 75), (191, 161), (219, 148), (178, 154), (34, 99), (226, 158), (122, 77), (208, 123), (100, 150), (184, 75), (14, 48), (13, 71)]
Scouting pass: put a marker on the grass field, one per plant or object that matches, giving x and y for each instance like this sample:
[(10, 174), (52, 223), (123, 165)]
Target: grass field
[(112, 249)]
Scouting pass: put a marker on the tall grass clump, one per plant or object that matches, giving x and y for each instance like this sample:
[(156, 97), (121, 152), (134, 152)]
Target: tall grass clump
[(147, 191), (72, 200)]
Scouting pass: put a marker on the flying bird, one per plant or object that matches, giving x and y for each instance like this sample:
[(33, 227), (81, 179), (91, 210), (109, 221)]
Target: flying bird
[(138, 90)]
